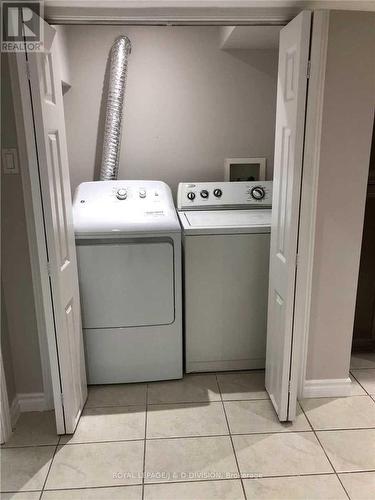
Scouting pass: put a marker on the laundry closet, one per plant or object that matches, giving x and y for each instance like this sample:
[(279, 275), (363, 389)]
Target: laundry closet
[(194, 98), (204, 105), (199, 112)]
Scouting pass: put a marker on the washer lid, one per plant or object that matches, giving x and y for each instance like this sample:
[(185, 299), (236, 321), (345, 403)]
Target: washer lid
[(113, 208), (214, 221)]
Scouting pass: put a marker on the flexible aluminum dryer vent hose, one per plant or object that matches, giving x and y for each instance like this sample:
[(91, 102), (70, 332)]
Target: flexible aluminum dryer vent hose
[(120, 51)]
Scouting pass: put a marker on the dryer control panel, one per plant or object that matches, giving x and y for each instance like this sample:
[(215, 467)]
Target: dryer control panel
[(115, 208), (217, 195)]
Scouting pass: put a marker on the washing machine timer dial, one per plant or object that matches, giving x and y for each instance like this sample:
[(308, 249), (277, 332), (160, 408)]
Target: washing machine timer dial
[(258, 193), (218, 192), (121, 194), (204, 193), (191, 195)]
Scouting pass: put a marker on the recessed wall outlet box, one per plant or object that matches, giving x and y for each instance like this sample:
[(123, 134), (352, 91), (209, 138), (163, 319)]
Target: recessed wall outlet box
[(245, 169)]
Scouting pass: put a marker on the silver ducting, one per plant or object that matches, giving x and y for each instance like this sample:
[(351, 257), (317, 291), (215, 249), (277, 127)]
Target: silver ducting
[(116, 92)]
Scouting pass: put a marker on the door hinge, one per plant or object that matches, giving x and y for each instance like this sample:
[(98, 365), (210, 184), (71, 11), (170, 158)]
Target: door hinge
[(28, 70), (48, 268), (308, 69), (62, 399)]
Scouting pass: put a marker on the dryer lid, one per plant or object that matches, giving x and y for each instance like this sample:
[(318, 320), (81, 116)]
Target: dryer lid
[(114, 208)]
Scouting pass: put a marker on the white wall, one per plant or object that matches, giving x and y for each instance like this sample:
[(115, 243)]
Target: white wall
[(189, 104), (16, 270), (349, 97), (62, 43)]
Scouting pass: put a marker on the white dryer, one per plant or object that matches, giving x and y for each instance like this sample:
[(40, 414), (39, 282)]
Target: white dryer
[(128, 241), (226, 237)]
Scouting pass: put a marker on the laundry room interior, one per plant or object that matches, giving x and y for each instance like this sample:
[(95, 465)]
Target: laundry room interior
[(194, 97), (181, 273), (199, 103)]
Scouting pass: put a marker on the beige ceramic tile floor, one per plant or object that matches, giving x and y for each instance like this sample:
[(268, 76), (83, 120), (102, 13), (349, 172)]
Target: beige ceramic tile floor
[(208, 436)]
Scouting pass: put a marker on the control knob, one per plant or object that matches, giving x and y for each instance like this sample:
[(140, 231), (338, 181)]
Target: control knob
[(142, 193), (218, 193), (204, 193), (258, 193), (191, 195), (121, 194)]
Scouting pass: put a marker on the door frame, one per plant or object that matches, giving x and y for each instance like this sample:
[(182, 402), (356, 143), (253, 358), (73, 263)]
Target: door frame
[(33, 197), (179, 12), (309, 193), (35, 229), (5, 417), (175, 12)]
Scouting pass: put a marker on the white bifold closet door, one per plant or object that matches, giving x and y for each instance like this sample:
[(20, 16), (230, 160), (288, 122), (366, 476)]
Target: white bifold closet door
[(65, 342), (289, 139)]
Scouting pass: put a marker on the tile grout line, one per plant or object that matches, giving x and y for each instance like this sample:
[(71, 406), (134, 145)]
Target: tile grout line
[(83, 443), (131, 405), (252, 433), (29, 446), (362, 368), (206, 401), (165, 403), (20, 491), (325, 453), (230, 437), (76, 488), (49, 468), (310, 474), (144, 446), (194, 436), (232, 479)]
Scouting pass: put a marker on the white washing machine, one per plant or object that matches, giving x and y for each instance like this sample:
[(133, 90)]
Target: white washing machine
[(128, 241), (226, 239)]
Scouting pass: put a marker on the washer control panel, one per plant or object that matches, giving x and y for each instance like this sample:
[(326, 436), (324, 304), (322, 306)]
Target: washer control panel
[(216, 195)]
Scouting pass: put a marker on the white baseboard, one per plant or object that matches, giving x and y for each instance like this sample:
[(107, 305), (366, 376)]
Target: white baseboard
[(327, 388), (32, 401), (14, 411)]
